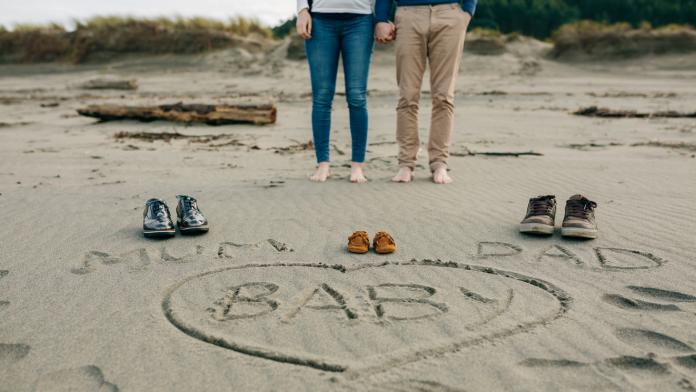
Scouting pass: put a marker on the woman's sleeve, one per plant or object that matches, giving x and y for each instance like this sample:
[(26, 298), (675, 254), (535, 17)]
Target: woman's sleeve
[(302, 4)]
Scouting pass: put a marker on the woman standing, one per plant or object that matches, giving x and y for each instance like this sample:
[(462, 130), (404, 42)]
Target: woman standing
[(333, 28)]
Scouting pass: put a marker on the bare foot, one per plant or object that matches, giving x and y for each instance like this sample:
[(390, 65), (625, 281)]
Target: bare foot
[(405, 174), (322, 172), (440, 176), (356, 173)]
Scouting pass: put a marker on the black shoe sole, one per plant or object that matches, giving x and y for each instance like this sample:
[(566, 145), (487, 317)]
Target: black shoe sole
[(193, 230), (159, 233)]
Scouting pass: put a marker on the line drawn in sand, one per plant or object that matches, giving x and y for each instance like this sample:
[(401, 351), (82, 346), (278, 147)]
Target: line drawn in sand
[(560, 252), (140, 259), (644, 261), (487, 249), (280, 308)]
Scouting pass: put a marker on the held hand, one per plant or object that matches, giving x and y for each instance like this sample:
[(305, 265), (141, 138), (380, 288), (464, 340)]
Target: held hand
[(304, 24), (385, 32)]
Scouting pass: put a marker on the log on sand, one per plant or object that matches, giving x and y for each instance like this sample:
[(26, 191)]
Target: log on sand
[(258, 114), (594, 111), (110, 84)]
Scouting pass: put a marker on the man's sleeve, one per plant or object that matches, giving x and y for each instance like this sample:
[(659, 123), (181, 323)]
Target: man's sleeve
[(469, 6), (383, 9)]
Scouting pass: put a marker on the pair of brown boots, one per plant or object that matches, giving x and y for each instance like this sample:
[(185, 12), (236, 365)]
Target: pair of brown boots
[(359, 242), (578, 221)]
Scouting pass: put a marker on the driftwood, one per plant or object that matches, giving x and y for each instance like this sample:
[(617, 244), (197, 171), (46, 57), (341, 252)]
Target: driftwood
[(110, 84), (594, 111), (515, 154), (209, 114)]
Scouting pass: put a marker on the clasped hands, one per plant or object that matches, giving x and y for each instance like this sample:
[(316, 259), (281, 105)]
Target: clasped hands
[(385, 32)]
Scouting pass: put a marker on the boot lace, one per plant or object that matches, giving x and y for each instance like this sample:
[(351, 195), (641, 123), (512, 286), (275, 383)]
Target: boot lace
[(580, 208), (541, 205)]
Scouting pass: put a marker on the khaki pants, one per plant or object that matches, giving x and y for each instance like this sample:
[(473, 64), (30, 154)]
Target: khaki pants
[(432, 34)]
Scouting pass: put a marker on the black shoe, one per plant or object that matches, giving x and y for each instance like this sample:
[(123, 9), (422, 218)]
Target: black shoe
[(189, 218), (157, 221)]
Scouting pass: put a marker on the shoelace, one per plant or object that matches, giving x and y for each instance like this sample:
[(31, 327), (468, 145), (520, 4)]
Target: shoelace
[(541, 206), (160, 210), (384, 236), (190, 206), (189, 203), (580, 208), (359, 234)]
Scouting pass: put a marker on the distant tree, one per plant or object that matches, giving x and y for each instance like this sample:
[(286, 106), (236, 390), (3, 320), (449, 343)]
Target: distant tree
[(540, 18), (284, 28)]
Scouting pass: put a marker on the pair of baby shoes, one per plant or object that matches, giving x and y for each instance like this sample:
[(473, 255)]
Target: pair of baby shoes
[(359, 242)]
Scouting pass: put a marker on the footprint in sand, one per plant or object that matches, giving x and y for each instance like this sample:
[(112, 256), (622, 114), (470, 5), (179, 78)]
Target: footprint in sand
[(653, 294), (661, 294), (625, 363), (11, 353), (636, 304), (83, 379), (412, 385), (4, 304), (652, 341)]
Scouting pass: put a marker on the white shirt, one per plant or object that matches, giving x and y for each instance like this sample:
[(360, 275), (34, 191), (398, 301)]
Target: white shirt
[(338, 6)]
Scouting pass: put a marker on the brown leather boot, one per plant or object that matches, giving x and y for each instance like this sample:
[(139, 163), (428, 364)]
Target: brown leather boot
[(359, 242), (540, 217), (579, 220), (383, 243)]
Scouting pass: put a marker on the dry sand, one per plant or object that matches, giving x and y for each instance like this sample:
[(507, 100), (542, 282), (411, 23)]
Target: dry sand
[(270, 299)]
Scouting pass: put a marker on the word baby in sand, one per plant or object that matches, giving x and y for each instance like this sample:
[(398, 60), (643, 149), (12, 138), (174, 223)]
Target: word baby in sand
[(394, 301)]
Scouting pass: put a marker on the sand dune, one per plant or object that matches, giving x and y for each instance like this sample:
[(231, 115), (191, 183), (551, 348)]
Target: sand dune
[(270, 299)]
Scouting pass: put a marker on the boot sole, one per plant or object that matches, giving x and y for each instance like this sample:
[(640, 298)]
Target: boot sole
[(193, 230), (159, 233), (536, 228), (359, 251), (576, 232)]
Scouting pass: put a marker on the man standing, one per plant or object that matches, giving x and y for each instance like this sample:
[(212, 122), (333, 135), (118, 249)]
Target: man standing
[(431, 31)]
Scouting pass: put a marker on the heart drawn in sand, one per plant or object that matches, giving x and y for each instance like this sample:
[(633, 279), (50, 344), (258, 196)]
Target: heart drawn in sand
[(368, 317)]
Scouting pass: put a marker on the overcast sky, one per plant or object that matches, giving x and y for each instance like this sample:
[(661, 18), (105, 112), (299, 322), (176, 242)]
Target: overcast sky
[(63, 11)]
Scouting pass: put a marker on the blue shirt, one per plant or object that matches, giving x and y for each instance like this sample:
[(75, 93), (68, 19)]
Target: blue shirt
[(383, 8)]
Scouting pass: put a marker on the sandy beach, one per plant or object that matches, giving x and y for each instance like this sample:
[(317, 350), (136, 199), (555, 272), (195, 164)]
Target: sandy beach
[(270, 300)]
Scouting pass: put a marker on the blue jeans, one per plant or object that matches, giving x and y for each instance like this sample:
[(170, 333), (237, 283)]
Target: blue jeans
[(353, 40)]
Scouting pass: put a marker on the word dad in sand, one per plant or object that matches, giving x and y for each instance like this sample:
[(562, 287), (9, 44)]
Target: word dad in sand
[(337, 318)]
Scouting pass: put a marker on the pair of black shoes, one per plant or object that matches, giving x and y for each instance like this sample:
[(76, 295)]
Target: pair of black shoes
[(157, 220)]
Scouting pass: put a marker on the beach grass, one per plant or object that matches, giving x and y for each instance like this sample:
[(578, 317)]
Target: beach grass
[(105, 37), (620, 40)]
